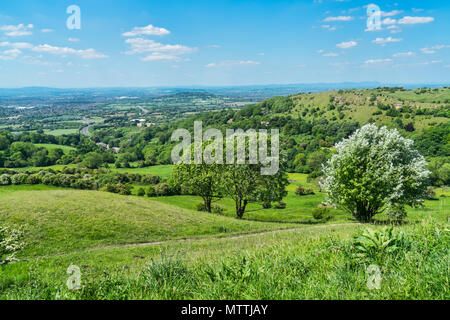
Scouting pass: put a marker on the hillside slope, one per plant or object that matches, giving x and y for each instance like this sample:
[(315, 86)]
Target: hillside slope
[(61, 221)]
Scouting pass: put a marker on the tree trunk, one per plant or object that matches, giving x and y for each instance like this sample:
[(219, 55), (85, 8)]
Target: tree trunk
[(363, 213), (240, 207), (207, 202)]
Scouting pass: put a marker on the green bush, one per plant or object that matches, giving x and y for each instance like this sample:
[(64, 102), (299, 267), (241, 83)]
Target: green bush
[(302, 191), (141, 192), (200, 206), (280, 205), (431, 193), (5, 180), (162, 189), (151, 191), (322, 214), (267, 205), (217, 209)]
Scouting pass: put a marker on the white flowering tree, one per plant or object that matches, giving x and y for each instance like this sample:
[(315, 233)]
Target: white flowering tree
[(374, 170)]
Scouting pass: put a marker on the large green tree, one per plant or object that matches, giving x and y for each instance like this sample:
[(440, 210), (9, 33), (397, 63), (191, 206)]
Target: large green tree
[(245, 184), (203, 180)]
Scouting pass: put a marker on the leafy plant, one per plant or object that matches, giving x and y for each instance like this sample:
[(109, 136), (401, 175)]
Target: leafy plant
[(373, 246)]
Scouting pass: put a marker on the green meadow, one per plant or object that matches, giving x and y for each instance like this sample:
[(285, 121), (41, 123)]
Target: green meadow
[(130, 247)]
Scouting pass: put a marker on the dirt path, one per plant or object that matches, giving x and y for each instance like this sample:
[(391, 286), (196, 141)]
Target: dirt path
[(174, 241)]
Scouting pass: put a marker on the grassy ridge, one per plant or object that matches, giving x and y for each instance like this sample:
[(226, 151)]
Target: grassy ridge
[(61, 221)]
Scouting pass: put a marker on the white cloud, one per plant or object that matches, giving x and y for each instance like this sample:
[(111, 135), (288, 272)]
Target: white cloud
[(433, 49), (440, 46), (394, 29), (404, 54), (231, 63), (149, 30), (415, 20), (347, 45), (63, 51), (428, 51), (419, 64), (391, 13), (17, 45), (73, 39), (339, 64), (339, 18), (384, 41), (46, 30), (158, 51), (10, 54), (17, 31), (330, 54), (38, 61), (328, 27), (377, 61), (157, 56), (389, 21)]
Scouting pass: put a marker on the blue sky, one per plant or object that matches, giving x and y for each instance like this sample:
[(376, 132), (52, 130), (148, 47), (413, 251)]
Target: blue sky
[(214, 43)]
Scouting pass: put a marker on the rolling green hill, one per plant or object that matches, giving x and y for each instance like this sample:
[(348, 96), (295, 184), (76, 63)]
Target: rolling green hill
[(62, 221)]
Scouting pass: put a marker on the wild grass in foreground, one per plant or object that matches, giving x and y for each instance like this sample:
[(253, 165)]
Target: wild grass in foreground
[(413, 263)]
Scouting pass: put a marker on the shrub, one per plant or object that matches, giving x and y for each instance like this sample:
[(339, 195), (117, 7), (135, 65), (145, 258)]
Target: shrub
[(162, 189), (396, 213), (34, 179), (322, 214), (431, 193), (123, 189), (15, 179), (11, 241), (200, 207), (151, 191), (5, 180), (280, 205), (217, 209), (267, 205), (151, 179), (302, 191), (141, 192)]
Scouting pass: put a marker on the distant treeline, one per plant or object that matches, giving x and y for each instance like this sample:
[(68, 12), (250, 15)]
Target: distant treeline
[(80, 178)]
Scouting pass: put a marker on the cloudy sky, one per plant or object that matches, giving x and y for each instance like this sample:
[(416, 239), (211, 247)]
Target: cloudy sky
[(187, 43)]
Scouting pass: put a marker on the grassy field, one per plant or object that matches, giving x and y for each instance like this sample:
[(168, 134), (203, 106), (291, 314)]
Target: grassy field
[(66, 149), (139, 248), (164, 171), (60, 132)]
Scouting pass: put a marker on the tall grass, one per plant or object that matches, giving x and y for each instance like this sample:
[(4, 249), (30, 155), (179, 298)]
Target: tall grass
[(414, 265)]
